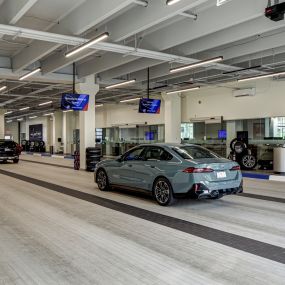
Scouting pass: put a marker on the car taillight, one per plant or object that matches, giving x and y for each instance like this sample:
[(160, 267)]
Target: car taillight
[(198, 170), (235, 168)]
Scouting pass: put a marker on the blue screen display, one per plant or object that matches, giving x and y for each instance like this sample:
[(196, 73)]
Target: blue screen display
[(149, 136), (222, 134), (75, 102), (149, 106)]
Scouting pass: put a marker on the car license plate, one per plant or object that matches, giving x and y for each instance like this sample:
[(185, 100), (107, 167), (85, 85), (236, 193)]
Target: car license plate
[(221, 174)]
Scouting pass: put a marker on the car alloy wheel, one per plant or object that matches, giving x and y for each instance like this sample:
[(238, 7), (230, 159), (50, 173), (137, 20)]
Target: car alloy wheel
[(249, 161), (163, 192), (102, 180)]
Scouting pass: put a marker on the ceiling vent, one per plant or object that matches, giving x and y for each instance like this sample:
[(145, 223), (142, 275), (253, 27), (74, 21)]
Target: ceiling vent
[(244, 92)]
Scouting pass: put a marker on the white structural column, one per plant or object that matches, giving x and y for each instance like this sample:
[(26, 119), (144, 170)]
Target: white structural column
[(87, 118), (172, 109), (56, 131), (68, 125), (2, 124)]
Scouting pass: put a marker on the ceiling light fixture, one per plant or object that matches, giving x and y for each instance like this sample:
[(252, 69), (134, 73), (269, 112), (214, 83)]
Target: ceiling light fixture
[(66, 111), (20, 119), (171, 2), (9, 121), (25, 108), (221, 2), (45, 103), (87, 44), (183, 90), (129, 100), (197, 64), (30, 74), (261, 76), (99, 105), (121, 84), (33, 117), (49, 114), (3, 88), (8, 113)]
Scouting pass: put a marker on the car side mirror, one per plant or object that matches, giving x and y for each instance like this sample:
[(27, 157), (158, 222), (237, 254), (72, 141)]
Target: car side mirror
[(120, 159)]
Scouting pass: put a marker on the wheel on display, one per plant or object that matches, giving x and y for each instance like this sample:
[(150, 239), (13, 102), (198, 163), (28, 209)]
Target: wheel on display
[(162, 192), (102, 180), (238, 146), (248, 161), (16, 160)]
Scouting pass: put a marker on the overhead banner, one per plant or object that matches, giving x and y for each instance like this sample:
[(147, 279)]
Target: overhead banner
[(75, 102)]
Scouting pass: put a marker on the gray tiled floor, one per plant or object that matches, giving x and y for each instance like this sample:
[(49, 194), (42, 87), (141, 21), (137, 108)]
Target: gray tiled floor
[(51, 238)]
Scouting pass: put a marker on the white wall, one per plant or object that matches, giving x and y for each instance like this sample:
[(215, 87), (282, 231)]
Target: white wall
[(11, 129), (120, 114), (268, 101)]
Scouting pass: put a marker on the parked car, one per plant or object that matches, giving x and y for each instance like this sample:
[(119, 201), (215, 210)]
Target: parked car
[(9, 150), (171, 170)]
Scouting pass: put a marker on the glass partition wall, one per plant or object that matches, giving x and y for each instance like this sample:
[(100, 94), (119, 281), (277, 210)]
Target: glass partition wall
[(117, 140)]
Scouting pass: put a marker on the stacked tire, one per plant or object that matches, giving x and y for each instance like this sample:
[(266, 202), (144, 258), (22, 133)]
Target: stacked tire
[(76, 160), (93, 156), (242, 154)]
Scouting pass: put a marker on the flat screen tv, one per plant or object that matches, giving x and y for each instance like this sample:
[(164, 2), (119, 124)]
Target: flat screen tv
[(75, 102), (149, 106), (222, 134)]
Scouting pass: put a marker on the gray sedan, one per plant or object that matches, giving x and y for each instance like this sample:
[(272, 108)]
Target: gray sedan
[(171, 170)]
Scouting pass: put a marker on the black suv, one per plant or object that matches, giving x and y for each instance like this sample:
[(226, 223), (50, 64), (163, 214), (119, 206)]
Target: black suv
[(8, 151)]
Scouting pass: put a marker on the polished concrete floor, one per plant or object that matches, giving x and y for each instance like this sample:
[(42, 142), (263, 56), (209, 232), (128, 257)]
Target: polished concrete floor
[(48, 237)]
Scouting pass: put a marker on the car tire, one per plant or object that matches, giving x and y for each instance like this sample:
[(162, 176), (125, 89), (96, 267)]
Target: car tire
[(102, 180), (16, 160), (248, 162), (163, 192)]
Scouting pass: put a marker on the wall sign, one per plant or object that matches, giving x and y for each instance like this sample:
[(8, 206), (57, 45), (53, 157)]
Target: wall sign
[(36, 132)]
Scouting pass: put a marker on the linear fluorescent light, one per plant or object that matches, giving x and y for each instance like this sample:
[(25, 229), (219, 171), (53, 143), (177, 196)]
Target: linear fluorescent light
[(129, 100), (20, 119), (8, 113), (30, 74), (221, 2), (9, 121), (3, 88), (183, 90), (171, 2), (33, 117), (87, 45), (121, 84), (49, 114), (45, 103), (261, 76), (25, 108), (99, 105), (66, 111), (197, 64)]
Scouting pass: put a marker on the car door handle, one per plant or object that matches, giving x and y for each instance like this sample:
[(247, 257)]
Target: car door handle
[(151, 166), (129, 165)]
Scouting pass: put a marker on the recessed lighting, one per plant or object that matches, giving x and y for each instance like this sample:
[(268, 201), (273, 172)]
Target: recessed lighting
[(20, 119), (121, 84), (48, 114), (8, 113), (130, 100), (98, 105), (171, 2), (45, 103), (33, 117), (30, 74), (87, 45), (183, 90), (261, 76), (25, 108), (3, 88), (196, 64)]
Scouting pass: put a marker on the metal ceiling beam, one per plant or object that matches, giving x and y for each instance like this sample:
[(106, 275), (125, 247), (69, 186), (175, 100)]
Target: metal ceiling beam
[(86, 16), (130, 23), (12, 11), (213, 28)]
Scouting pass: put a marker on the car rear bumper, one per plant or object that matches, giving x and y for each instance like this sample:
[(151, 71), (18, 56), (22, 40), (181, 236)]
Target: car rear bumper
[(8, 157)]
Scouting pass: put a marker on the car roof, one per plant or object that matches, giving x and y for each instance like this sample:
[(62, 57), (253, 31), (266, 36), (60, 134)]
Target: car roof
[(167, 144)]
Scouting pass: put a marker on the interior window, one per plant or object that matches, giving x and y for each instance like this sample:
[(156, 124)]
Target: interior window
[(156, 153), (135, 154)]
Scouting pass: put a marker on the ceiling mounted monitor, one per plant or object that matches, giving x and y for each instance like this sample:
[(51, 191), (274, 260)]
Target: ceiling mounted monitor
[(149, 106), (75, 102)]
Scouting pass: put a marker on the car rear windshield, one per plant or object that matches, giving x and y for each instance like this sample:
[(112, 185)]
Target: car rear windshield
[(8, 144), (194, 152)]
